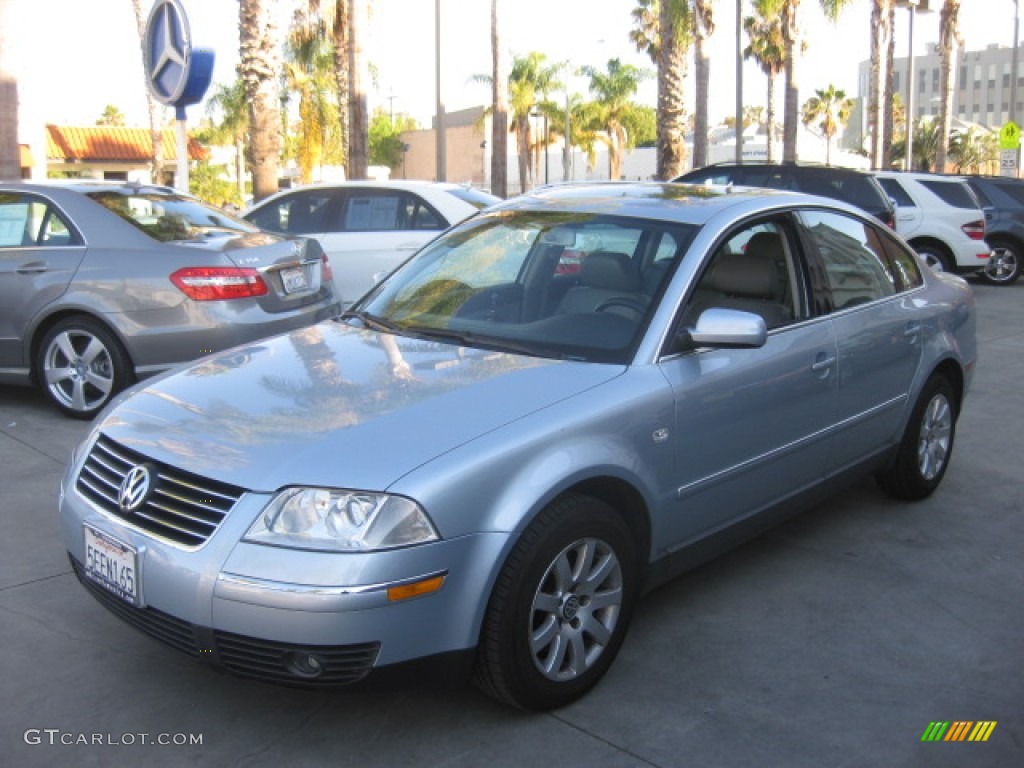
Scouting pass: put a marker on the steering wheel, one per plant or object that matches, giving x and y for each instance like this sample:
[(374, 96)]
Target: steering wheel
[(633, 305)]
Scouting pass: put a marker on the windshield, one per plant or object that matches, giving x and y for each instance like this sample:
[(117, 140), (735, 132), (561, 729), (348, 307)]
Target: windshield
[(553, 284), (167, 217)]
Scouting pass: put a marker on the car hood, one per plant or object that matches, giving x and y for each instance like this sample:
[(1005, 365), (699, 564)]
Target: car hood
[(335, 406)]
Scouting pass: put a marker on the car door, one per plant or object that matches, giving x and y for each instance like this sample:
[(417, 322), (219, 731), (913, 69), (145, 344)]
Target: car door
[(751, 425), (871, 280), (372, 231), (909, 215), (39, 254)]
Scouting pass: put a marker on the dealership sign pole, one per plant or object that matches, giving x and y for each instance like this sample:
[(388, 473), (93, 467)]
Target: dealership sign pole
[(177, 72)]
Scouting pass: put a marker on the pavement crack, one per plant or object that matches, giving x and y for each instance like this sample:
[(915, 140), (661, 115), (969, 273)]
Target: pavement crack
[(606, 742)]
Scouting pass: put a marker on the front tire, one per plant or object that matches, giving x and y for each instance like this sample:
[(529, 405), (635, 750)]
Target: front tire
[(560, 608), (1003, 265), (927, 444), (81, 366)]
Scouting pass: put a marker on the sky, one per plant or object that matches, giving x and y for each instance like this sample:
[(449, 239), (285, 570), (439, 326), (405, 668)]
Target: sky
[(77, 56)]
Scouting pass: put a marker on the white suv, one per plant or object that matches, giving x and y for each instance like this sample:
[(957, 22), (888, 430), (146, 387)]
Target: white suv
[(941, 219)]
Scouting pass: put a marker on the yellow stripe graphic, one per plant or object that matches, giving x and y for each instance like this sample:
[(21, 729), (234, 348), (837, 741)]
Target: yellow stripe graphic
[(982, 730)]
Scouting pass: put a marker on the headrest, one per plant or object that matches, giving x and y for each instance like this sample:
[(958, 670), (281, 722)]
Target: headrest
[(609, 270), (745, 275)]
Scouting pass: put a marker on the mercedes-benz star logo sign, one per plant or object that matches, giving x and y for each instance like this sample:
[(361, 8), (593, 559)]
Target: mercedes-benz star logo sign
[(168, 46), (134, 489)]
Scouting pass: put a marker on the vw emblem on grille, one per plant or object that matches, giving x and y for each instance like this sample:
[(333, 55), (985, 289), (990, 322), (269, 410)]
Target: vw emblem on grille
[(134, 488)]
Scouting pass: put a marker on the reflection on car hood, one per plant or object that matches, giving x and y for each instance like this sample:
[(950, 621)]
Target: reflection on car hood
[(336, 406)]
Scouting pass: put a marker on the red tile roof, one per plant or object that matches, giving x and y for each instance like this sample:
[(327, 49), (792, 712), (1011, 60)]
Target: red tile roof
[(111, 143)]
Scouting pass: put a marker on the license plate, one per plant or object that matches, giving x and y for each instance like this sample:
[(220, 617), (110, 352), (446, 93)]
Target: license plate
[(112, 564), (294, 280)]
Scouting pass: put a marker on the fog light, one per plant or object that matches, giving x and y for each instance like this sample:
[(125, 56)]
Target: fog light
[(303, 664)]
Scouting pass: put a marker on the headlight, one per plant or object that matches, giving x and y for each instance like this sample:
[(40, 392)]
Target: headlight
[(341, 521)]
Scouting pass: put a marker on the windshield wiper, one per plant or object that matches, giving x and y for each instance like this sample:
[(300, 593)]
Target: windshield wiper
[(470, 339), (371, 321)]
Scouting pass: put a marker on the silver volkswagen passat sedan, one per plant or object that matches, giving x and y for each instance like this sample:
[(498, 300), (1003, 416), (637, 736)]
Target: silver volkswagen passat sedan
[(555, 406), (102, 283)]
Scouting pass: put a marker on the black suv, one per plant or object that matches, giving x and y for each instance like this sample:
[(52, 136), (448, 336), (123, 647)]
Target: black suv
[(1002, 199), (853, 187)]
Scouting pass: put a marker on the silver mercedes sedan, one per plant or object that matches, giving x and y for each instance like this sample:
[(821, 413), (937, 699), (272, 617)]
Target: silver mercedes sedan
[(104, 283), (557, 405)]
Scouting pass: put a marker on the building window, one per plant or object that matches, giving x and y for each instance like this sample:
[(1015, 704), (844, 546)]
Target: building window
[(963, 76), (896, 82), (935, 79), (922, 75)]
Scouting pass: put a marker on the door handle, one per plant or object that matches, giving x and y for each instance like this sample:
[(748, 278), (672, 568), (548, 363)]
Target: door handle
[(822, 365), (913, 330), (32, 268)]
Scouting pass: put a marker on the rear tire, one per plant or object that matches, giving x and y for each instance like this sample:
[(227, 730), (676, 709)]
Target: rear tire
[(560, 608), (1004, 264), (81, 365), (927, 444), (935, 257)]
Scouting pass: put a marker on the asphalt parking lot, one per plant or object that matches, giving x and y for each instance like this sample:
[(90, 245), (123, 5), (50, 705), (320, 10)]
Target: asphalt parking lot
[(834, 640)]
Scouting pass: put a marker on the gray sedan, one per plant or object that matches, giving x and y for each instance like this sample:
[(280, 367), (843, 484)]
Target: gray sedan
[(554, 407), (104, 283)]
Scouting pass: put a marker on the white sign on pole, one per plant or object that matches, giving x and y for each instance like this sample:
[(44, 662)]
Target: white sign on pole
[(1008, 162)]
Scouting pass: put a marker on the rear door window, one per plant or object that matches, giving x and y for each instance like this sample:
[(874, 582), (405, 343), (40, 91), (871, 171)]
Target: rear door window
[(856, 266), (955, 193)]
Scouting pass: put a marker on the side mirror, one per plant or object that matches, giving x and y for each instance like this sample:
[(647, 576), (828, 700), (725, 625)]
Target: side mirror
[(727, 328)]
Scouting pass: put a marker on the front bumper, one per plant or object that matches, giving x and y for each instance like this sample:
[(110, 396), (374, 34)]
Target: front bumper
[(264, 612)]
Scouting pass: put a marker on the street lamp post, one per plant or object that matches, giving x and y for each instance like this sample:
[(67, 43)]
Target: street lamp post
[(913, 8)]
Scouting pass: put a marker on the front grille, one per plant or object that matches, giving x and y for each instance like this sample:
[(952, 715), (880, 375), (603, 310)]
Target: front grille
[(181, 507), (265, 660)]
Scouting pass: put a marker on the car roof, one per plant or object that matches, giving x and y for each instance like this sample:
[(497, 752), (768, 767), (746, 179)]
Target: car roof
[(668, 201), (86, 186)]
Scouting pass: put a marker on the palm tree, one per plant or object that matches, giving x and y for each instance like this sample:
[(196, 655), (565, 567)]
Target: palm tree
[(789, 16), (358, 78), (309, 70), (10, 158), (499, 107), (949, 41), (704, 27), (767, 48), (259, 64), (881, 34), (663, 30), (234, 124), (889, 98), (973, 150), (155, 130), (528, 79), (830, 110), (612, 108)]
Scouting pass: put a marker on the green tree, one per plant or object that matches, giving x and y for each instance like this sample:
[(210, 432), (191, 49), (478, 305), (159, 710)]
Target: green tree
[(663, 29), (829, 110), (111, 116), (309, 70), (259, 68), (233, 129), (974, 150), (529, 78), (386, 137), (767, 48), (613, 108)]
